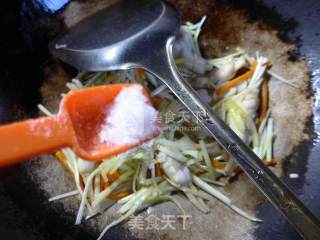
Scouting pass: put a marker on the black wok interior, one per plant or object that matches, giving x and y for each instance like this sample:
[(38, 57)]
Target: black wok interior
[(26, 28)]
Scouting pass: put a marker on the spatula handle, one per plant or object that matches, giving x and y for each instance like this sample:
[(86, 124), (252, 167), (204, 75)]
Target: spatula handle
[(266, 181), (22, 140)]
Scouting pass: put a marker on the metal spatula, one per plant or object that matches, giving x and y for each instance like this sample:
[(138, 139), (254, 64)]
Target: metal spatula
[(141, 33)]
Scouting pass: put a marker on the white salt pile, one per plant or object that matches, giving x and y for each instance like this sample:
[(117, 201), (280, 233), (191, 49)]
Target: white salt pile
[(130, 119)]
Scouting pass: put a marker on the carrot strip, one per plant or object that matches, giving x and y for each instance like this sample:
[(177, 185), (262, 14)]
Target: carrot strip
[(111, 178), (104, 185), (236, 81), (264, 95), (140, 74), (118, 195), (217, 164), (271, 163), (156, 101), (62, 159), (81, 183), (159, 171), (114, 176)]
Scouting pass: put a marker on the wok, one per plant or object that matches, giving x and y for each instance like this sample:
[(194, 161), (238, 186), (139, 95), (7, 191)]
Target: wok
[(28, 26)]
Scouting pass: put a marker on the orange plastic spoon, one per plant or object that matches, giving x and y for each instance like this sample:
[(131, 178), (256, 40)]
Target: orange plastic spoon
[(76, 125)]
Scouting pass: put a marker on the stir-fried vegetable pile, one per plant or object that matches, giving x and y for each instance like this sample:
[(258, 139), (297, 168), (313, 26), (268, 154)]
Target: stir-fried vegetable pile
[(184, 158)]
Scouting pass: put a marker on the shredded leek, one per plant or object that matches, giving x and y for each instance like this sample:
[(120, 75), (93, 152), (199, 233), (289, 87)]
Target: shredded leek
[(135, 172)]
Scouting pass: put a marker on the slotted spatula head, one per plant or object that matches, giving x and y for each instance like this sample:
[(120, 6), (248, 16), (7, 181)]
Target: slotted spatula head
[(124, 35)]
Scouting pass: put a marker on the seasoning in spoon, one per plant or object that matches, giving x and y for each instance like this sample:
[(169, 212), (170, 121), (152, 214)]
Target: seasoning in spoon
[(130, 119)]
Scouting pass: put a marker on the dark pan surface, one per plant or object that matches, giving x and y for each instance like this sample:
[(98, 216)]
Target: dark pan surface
[(307, 36), (27, 26)]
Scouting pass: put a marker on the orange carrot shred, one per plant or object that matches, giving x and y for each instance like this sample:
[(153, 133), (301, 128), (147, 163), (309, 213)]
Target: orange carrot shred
[(159, 171), (264, 101), (104, 185), (114, 176), (140, 73), (118, 195), (81, 183), (236, 81), (111, 178), (217, 164), (270, 163), (156, 101)]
